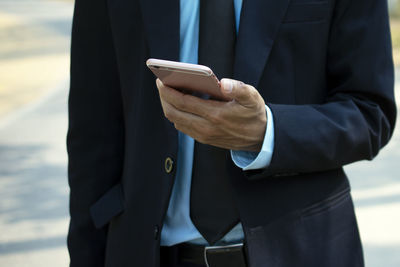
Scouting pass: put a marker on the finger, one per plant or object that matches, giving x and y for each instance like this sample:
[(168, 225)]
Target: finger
[(202, 132), (177, 116), (244, 94), (189, 124), (159, 83), (188, 103)]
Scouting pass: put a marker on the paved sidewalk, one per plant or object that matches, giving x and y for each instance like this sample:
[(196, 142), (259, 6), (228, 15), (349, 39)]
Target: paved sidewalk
[(33, 185)]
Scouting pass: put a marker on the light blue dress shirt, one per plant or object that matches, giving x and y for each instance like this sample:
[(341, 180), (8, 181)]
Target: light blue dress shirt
[(178, 226)]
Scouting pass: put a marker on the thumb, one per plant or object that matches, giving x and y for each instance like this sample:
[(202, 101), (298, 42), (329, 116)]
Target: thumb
[(243, 93)]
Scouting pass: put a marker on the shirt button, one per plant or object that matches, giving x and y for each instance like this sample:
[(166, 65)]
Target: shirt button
[(168, 165)]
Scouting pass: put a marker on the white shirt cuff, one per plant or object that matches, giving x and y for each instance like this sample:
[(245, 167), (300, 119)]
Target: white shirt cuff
[(249, 160)]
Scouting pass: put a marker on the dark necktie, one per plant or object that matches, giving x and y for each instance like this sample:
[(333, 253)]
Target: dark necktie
[(212, 208)]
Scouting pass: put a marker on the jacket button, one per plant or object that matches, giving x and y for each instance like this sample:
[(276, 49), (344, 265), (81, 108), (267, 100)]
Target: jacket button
[(156, 232), (168, 165)]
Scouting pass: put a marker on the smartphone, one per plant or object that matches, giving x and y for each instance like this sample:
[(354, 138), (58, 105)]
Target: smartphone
[(187, 77)]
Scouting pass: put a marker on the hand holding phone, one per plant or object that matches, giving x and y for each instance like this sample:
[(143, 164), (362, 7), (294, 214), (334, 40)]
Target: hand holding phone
[(236, 125)]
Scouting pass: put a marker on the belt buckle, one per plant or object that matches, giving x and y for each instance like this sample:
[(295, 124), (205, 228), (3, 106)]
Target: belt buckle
[(208, 248)]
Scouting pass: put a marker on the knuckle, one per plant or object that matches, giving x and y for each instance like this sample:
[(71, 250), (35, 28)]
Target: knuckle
[(179, 105), (167, 114), (208, 134), (183, 102), (240, 84), (246, 87), (170, 114), (202, 129), (190, 125), (214, 117), (253, 92), (195, 128)]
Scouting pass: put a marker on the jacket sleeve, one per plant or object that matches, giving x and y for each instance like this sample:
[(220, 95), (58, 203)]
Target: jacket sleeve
[(358, 116), (96, 132)]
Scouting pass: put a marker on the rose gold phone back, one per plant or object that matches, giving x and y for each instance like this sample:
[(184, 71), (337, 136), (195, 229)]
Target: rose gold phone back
[(199, 83)]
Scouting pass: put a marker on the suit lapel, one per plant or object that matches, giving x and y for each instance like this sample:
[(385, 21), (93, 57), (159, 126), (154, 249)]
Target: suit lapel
[(259, 25), (161, 21), (161, 24)]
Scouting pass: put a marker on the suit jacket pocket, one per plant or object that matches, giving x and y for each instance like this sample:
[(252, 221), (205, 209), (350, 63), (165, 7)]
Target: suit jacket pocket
[(108, 206), (326, 204), (324, 234), (299, 11)]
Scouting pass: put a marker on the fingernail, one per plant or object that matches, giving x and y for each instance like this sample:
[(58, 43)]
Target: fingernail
[(227, 85)]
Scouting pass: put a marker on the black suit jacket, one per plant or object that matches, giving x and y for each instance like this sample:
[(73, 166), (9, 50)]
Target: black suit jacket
[(325, 69)]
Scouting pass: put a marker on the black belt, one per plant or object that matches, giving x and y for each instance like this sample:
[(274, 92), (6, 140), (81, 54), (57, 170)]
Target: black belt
[(212, 256)]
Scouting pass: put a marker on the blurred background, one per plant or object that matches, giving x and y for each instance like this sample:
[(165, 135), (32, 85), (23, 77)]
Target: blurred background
[(34, 69)]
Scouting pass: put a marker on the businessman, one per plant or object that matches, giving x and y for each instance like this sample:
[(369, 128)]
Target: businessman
[(163, 178)]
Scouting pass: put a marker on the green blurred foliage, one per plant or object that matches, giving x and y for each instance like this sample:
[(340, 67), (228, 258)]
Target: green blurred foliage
[(395, 28), (394, 8)]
